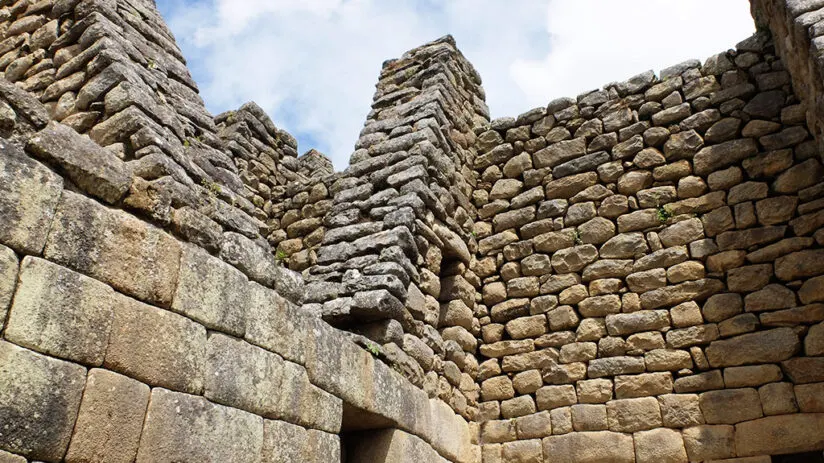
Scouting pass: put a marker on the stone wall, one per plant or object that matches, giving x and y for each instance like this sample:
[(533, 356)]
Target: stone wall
[(632, 275), (650, 262)]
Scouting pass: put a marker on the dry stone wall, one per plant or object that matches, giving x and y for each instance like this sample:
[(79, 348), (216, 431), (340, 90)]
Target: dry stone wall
[(649, 254), (631, 275)]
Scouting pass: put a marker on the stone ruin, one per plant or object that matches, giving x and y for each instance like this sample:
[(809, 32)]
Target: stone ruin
[(632, 275)]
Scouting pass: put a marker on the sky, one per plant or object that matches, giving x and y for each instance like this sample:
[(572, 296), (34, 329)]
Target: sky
[(313, 64)]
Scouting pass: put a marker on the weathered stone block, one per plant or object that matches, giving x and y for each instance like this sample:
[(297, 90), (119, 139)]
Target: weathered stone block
[(534, 426), (181, 427), (594, 391), (804, 370), (770, 346), (589, 447), (523, 451), (87, 164), (156, 346), (644, 320), (810, 397), (730, 406), (777, 399), (814, 341), (61, 313), (680, 410), (613, 366), (39, 399), (29, 194), (551, 397), (659, 446), (749, 376), (110, 420), (115, 248), (780, 434), (275, 324), (643, 385), (630, 415), (589, 417), (709, 442)]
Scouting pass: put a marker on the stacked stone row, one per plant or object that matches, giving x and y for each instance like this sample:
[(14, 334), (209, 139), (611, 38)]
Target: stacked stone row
[(111, 69), (394, 251), (651, 260)]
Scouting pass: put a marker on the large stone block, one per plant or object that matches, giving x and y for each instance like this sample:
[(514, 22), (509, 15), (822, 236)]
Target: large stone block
[(770, 346), (589, 447), (781, 434), (630, 415), (39, 399), (8, 279), (303, 403), (257, 263), (275, 324), (211, 292), (285, 443), (88, 165), (115, 248), (61, 313), (644, 385), (110, 420), (29, 193), (659, 446), (182, 427), (243, 376), (730, 406), (156, 346), (709, 442), (6, 457), (680, 410)]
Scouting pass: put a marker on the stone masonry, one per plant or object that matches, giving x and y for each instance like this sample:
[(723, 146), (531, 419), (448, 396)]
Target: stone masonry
[(632, 275)]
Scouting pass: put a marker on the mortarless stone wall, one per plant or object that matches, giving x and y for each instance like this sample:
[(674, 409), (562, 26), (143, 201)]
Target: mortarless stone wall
[(632, 275)]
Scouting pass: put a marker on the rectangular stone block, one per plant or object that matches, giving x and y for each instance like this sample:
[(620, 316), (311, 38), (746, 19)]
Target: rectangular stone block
[(284, 443), (631, 415), (589, 447), (709, 442), (110, 420), (29, 193), (115, 248), (303, 403), (243, 376), (803, 370), (643, 385), (770, 346), (8, 279), (39, 399), (731, 406), (61, 313), (781, 434), (182, 427), (156, 346), (680, 410), (211, 292), (659, 446), (275, 324), (534, 426), (810, 397), (88, 165)]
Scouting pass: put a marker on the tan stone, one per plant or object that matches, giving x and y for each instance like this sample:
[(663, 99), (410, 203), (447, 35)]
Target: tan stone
[(578, 352), (644, 320), (709, 442), (156, 346), (750, 376), (589, 417), (110, 420), (498, 388), (527, 327), (686, 314), (722, 306), (565, 373), (667, 360), (613, 366), (812, 290), (8, 280), (519, 406), (680, 410), (780, 434), (527, 382), (694, 335), (730, 406), (6, 457), (763, 347), (630, 415), (573, 295), (61, 313), (561, 420), (643, 385), (589, 447), (181, 427), (594, 391), (800, 264), (29, 194), (497, 431), (123, 251), (659, 446), (591, 329), (534, 426), (814, 341), (803, 370), (551, 397), (810, 397), (647, 280), (685, 271), (524, 451), (706, 381), (672, 295), (777, 399), (39, 400)]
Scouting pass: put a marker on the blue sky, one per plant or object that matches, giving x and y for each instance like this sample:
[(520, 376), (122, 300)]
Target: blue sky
[(312, 64)]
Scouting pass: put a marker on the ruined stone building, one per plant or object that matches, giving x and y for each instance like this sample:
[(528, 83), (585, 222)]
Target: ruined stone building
[(632, 275)]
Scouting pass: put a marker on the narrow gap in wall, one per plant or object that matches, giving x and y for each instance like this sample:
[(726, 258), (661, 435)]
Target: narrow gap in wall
[(357, 429), (808, 457)]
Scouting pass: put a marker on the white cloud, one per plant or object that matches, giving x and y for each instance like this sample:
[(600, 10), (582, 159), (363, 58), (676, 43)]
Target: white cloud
[(313, 64)]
